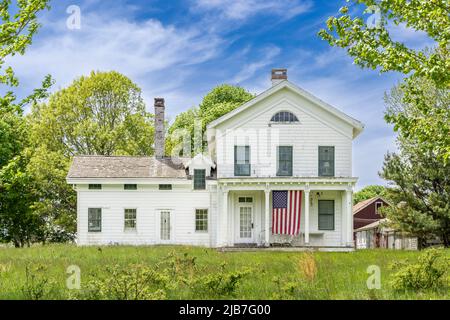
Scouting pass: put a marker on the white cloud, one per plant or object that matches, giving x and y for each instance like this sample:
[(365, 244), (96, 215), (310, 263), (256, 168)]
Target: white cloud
[(248, 71), (240, 10), (158, 57)]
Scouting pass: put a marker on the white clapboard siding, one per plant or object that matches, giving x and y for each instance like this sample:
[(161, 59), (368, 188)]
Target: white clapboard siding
[(181, 201), (315, 128)]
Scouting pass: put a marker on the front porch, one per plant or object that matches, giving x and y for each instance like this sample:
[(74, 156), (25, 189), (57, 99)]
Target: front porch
[(245, 215)]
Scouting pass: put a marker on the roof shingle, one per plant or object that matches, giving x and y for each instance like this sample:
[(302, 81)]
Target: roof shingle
[(126, 167)]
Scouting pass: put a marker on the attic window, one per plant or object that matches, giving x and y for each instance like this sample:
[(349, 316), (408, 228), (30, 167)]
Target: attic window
[(284, 117)]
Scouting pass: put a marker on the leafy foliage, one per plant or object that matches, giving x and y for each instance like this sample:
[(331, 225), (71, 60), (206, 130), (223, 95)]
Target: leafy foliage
[(420, 180), (133, 282), (373, 47), (428, 272), (369, 192), (101, 114), (191, 124)]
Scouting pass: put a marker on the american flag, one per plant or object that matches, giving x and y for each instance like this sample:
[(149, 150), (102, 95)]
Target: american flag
[(286, 212)]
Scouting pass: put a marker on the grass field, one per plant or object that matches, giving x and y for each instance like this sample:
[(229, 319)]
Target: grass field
[(198, 273)]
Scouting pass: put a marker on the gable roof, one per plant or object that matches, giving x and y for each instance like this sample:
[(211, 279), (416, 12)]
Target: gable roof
[(126, 167), (202, 158), (358, 126), (363, 204)]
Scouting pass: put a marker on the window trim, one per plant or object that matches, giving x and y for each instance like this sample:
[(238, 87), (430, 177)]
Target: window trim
[(91, 186), (204, 181), (278, 174), (249, 161), (101, 221), (319, 161), (378, 208), (326, 214), (207, 220), (128, 229), (291, 114)]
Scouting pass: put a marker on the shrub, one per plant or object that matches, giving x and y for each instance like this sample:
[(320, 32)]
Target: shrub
[(132, 282), (37, 284), (220, 284), (286, 289), (427, 273)]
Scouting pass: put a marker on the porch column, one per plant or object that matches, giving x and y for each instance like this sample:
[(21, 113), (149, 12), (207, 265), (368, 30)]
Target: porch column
[(267, 218), (349, 213), (224, 220), (306, 216)]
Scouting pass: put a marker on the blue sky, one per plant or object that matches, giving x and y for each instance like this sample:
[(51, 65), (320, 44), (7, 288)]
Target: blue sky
[(182, 49)]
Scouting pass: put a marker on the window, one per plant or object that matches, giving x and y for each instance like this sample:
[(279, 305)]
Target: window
[(165, 187), (326, 161), (201, 220), (284, 161), (130, 186), (165, 225), (94, 219), (284, 117), (326, 214), (245, 199), (242, 160), (199, 179), (378, 206), (95, 187), (130, 219)]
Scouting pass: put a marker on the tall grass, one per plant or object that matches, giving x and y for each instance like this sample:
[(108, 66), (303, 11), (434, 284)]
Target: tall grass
[(199, 273)]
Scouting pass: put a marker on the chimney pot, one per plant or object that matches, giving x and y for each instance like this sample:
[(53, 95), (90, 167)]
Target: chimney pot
[(159, 128), (278, 75)]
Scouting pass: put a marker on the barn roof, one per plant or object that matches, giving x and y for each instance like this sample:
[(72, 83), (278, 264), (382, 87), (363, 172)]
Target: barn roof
[(127, 167), (361, 205)]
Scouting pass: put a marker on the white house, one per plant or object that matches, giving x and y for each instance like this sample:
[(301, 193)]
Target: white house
[(278, 172)]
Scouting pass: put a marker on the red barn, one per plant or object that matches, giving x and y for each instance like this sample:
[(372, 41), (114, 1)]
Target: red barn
[(367, 212)]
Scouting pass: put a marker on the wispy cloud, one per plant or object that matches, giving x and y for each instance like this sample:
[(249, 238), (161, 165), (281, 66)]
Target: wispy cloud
[(248, 71), (240, 10)]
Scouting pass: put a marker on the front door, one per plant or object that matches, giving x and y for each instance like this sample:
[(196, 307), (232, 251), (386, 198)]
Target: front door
[(244, 232)]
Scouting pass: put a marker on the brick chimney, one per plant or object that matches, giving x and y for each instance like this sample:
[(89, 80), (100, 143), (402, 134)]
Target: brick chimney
[(159, 128), (278, 75)]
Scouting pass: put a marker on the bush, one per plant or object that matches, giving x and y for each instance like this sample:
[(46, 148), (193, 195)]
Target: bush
[(427, 273), (220, 284), (37, 285), (133, 282)]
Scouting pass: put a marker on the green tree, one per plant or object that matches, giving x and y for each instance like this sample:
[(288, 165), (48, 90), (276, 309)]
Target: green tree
[(219, 101), (18, 26), (18, 223), (103, 114), (57, 200), (373, 47), (420, 181), (369, 192)]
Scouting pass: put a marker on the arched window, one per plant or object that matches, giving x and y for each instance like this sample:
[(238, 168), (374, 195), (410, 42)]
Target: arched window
[(284, 116)]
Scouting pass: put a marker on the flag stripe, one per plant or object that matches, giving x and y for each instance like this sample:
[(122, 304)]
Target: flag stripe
[(286, 212)]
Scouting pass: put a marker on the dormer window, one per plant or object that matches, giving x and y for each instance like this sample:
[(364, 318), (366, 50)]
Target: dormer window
[(284, 117)]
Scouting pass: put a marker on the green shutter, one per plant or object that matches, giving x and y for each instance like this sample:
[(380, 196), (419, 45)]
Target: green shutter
[(199, 179), (284, 161), (326, 214), (326, 161)]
